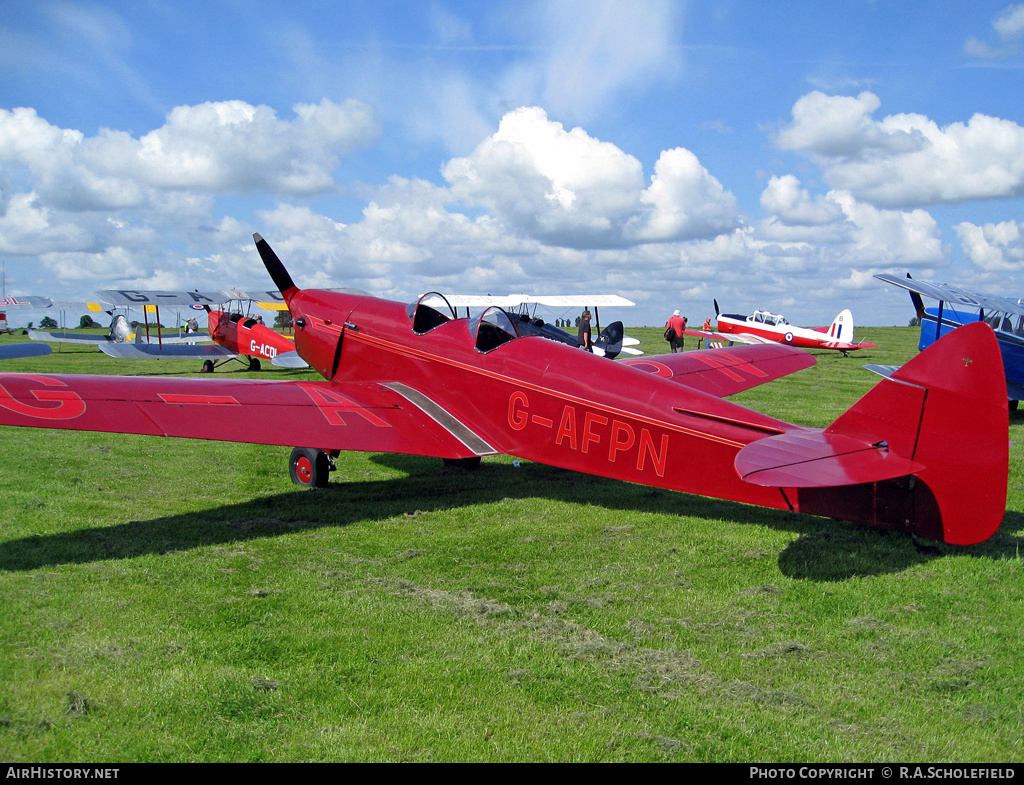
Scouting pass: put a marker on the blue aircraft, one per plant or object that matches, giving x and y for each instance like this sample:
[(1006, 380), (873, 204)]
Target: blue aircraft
[(958, 307)]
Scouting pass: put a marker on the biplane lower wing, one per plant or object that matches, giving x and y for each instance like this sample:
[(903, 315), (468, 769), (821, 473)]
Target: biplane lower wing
[(361, 416), (17, 351), (725, 372), (82, 338), (175, 351)]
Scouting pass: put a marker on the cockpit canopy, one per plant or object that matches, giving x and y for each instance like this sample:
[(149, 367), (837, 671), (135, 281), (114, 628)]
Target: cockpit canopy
[(766, 317), (1005, 323), (490, 329), (424, 313)]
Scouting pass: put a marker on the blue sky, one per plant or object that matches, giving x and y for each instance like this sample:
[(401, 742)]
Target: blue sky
[(771, 155)]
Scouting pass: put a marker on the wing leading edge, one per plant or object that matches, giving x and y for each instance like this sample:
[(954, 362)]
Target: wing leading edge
[(330, 416)]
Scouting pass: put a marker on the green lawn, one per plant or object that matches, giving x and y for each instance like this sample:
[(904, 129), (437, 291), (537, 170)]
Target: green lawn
[(172, 600)]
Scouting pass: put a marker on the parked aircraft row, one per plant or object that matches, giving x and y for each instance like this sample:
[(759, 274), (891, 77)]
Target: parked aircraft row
[(925, 451)]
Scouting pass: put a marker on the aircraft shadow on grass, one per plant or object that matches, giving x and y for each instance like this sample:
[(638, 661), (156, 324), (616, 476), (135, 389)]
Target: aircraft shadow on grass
[(825, 550)]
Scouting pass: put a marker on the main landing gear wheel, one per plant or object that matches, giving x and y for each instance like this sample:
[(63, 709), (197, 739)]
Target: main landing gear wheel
[(466, 464), (254, 364), (207, 366), (310, 468)]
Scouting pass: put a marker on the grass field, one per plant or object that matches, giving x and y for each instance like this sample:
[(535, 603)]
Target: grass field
[(172, 600)]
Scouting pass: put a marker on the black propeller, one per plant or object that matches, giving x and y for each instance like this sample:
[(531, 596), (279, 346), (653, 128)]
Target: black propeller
[(282, 280)]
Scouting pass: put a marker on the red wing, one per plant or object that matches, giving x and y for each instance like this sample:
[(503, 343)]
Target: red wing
[(724, 372), (331, 416)]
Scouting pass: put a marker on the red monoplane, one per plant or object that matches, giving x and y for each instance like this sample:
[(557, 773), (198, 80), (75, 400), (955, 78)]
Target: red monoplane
[(926, 450)]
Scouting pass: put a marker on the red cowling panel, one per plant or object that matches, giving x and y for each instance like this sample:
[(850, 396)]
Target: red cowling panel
[(342, 416), (724, 372), (815, 459)]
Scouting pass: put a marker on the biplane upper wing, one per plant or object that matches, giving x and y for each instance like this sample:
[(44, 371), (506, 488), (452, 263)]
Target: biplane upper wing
[(954, 294), (361, 416), (136, 298), (724, 372)]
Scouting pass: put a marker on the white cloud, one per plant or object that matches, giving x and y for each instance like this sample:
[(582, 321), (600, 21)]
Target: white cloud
[(906, 159), (567, 188), (686, 201), (222, 147), (784, 198), (1008, 26), (994, 247)]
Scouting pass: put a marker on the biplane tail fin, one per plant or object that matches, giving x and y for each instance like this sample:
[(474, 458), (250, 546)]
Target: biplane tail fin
[(274, 266), (610, 339), (926, 450)]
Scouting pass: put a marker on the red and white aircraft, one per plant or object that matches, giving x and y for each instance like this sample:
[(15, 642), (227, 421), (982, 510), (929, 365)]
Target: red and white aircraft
[(767, 327), (234, 331), (925, 450)]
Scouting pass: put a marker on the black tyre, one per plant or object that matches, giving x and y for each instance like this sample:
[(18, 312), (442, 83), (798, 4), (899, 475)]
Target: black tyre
[(254, 364), (207, 366), (309, 467)]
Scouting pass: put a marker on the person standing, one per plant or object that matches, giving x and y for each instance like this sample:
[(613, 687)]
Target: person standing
[(674, 328), (706, 328), (583, 337)]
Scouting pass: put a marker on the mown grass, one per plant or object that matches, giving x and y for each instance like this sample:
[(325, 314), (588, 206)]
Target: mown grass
[(180, 600)]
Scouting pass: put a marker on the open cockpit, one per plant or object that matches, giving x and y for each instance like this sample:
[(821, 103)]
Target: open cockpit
[(489, 329)]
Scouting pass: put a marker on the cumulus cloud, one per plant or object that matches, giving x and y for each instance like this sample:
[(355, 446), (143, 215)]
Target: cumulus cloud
[(994, 247), (837, 230), (569, 189), (223, 147), (784, 198), (905, 160)]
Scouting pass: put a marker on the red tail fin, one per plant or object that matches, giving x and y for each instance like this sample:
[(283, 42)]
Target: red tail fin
[(946, 410)]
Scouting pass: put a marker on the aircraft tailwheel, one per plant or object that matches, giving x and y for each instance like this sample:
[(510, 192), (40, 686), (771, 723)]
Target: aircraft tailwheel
[(254, 364), (207, 366), (310, 468), (466, 464)]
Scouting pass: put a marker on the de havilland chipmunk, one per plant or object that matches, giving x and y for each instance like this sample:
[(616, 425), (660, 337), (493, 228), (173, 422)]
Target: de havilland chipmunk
[(925, 450), (767, 327)]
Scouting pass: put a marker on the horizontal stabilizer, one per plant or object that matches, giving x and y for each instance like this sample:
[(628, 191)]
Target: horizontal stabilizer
[(289, 360), (882, 370), (815, 459)]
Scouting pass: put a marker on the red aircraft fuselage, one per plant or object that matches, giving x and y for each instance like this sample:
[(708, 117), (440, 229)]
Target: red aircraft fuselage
[(246, 335)]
